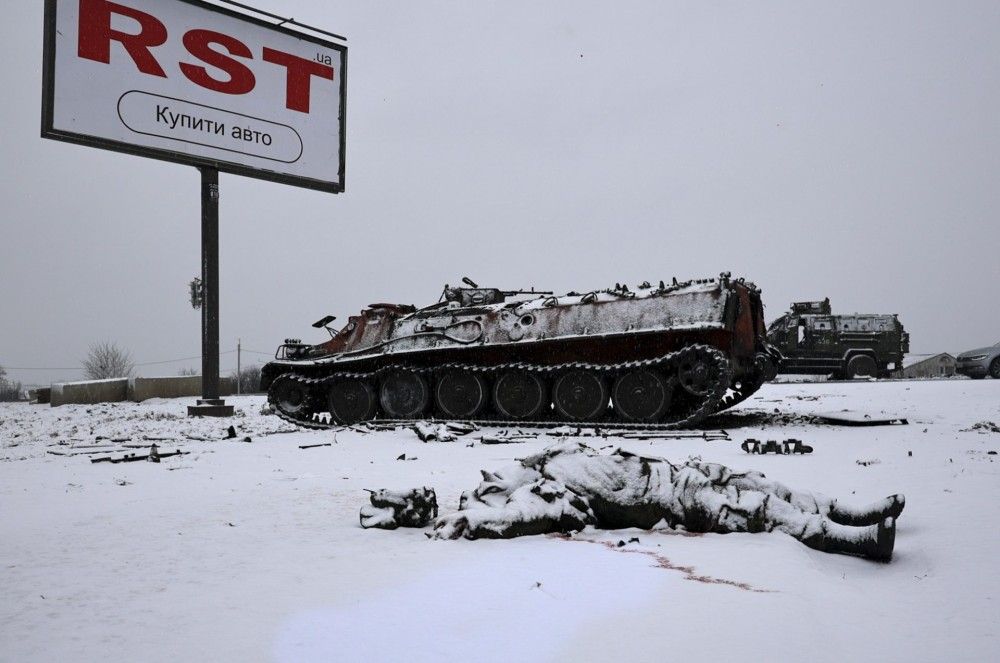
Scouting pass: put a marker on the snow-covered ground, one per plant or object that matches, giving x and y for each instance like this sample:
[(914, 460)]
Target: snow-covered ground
[(252, 551)]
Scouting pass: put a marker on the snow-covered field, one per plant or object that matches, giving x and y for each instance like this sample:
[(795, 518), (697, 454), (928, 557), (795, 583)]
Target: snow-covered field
[(252, 551)]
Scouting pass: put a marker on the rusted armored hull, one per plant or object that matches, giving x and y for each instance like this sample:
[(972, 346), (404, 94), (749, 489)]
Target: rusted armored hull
[(673, 350)]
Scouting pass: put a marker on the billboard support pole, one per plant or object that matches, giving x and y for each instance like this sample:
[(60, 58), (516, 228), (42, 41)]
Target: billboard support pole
[(210, 405)]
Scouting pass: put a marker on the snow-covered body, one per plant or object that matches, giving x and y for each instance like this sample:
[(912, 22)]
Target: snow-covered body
[(569, 486)]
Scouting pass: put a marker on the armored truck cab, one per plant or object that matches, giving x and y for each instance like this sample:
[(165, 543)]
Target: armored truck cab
[(815, 341)]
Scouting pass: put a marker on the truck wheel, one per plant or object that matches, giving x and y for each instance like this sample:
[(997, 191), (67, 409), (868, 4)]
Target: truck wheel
[(995, 369), (860, 366)]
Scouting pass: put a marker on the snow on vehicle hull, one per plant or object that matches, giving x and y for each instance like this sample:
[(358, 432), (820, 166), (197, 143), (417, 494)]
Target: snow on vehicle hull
[(667, 355)]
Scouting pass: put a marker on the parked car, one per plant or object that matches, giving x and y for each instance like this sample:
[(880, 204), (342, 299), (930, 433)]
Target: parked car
[(980, 362)]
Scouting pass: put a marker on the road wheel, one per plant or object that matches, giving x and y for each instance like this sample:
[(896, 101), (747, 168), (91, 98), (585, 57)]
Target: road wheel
[(351, 401), (404, 395), (289, 395), (995, 369), (641, 395), (519, 395), (580, 395), (861, 366), (461, 394)]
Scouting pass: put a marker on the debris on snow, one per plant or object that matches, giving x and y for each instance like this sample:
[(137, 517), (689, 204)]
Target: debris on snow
[(982, 427), (153, 456), (786, 447), (853, 418), (444, 432), (507, 437)]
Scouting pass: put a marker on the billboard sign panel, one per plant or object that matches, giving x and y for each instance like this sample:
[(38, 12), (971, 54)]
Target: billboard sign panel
[(190, 82)]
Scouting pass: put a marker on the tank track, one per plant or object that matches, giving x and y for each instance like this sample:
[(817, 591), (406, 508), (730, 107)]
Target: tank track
[(737, 395), (713, 400)]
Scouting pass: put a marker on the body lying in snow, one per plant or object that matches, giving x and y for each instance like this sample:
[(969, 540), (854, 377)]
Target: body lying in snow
[(569, 486)]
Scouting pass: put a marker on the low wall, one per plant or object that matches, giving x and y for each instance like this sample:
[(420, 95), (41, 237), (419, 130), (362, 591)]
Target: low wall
[(129, 389), (141, 389), (89, 392)]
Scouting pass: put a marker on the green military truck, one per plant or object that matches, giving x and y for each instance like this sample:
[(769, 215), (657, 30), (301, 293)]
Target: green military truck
[(814, 341)]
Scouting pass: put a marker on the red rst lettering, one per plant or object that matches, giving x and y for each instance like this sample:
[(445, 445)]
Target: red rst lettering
[(241, 79), (300, 73), (96, 35)]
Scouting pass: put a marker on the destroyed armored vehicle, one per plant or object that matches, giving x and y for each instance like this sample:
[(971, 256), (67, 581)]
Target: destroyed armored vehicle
[(667, 354), (815, 341)]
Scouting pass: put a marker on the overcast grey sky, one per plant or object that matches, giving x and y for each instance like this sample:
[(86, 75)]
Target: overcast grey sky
[(841, 149)]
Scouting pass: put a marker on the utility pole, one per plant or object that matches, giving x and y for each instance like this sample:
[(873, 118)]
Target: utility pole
[(210, 405), (239, 373)]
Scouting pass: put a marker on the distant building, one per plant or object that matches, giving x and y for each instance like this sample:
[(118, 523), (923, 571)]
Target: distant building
[(922, 366)]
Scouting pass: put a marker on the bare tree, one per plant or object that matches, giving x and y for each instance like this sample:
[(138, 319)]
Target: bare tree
[(106, 360), (248, 379), (9, 390), (188, 372)]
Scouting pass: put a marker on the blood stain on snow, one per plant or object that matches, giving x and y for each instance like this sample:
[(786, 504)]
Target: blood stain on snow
[(662, 562)]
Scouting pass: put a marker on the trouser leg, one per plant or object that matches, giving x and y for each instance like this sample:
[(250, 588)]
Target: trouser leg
[(837, 511), (821, 533)]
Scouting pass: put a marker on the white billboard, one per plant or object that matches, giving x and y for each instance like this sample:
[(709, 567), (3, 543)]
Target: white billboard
[(191, 82)]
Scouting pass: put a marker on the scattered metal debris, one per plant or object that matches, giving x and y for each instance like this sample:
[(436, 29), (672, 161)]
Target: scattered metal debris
[(508, 437), (442, 432), (514, 436), (849, 418), (786, 447), (153, 456), (982, 427)]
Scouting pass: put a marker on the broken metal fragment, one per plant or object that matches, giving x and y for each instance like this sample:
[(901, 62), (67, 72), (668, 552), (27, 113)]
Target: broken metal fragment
[(789, 446), (847, 418)]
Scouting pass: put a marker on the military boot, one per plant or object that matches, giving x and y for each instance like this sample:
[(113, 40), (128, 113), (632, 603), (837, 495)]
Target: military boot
[(890, 507), (873, 542)]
